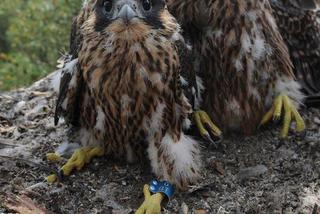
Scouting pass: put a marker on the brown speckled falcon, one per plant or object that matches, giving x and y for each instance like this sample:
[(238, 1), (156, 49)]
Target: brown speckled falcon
[(300, 29), (121, 87), (243, 62)]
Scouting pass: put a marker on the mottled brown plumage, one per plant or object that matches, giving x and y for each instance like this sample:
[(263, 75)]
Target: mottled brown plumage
[(300, 29), (121, 87), (242, 59)]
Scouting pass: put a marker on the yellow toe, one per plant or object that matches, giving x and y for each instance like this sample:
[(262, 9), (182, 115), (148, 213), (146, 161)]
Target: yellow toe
[(267, 117), (291, 114), (199, 124), (287, 118), (52, 178), (300, 125), (204, 122), (53, 157), (152, 203), (207, 120), (94, 152), (278, 108)]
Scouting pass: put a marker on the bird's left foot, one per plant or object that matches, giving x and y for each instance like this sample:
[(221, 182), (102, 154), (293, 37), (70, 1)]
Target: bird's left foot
[(152, 203), (77, 161), (291, 114), (206, 127)]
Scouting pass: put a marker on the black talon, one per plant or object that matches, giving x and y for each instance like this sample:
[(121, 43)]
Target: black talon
[(278, 121), (219, 139), (302, 135), (208, 138), (214, 143), (60, 174), (212, 137)]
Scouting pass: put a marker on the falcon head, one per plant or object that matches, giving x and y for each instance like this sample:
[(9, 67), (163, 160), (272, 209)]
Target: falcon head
[(130, 18)]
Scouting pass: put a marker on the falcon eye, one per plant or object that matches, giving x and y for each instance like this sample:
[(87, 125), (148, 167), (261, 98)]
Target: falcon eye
[(146, 5), (107, 5)]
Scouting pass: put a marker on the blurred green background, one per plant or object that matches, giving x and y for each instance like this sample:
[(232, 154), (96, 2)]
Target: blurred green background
[(33, 35)]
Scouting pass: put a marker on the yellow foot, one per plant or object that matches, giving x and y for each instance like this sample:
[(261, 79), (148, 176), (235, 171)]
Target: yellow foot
[(152, 203), (204, 123), (79, 158), (291, 114)]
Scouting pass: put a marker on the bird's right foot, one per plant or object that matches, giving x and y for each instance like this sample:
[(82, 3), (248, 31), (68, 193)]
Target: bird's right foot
[(284, 105), (77, 161), (152, 203)]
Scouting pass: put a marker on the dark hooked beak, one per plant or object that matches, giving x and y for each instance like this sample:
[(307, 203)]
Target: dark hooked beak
[(126, 13)]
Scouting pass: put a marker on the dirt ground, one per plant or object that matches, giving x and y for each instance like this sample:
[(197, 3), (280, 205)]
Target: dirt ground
[(258, 174)]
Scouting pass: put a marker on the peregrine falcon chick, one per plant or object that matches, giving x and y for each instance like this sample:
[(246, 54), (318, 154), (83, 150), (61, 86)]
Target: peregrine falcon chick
[(121, 87), (243, 62), (300, 28)]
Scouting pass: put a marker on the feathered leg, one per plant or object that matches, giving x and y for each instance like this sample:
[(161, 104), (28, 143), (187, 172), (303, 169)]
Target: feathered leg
[(174, 160)]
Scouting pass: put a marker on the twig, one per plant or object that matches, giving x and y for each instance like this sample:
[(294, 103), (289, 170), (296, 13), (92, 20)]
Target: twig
[(30, 163), (6, 145)]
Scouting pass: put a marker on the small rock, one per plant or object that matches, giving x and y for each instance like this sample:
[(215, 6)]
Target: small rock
[(114, 205), (173, 204), (287, 154), (184, 208), (19, 106), (316, 120), (250, 172), (200, 212)]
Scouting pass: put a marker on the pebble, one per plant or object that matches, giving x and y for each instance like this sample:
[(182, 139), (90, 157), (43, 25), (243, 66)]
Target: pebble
[(250, 172)]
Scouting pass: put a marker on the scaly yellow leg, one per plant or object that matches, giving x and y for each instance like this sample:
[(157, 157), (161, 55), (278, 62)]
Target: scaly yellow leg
[(152, 203), (77, 161), (201, 119), (291, 114)]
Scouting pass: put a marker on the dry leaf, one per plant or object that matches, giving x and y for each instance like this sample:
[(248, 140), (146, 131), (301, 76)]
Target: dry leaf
[(23, 204)]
